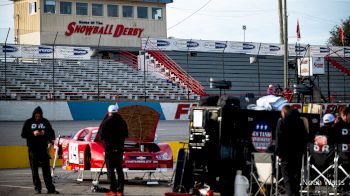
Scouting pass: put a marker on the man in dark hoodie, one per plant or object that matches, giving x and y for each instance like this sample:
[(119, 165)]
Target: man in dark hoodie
[(114, 130), (291, 144), (40, 135)]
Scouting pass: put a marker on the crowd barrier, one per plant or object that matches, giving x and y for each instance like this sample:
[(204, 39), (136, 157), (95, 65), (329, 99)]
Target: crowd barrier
[(22, 110), (61, 110)]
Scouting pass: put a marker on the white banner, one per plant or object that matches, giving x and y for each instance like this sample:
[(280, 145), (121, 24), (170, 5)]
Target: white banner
[(11, 50), (317, 65), (304, 67), (242, 47), (44, 52), (311, 66)]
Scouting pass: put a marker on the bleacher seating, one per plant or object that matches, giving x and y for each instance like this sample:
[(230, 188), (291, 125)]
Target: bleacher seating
[(79, 80)]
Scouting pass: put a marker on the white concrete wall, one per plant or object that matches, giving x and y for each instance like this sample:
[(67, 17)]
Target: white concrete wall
[(22, 110)]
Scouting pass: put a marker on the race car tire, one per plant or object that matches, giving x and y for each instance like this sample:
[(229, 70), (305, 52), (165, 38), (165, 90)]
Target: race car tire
[(87, 159)]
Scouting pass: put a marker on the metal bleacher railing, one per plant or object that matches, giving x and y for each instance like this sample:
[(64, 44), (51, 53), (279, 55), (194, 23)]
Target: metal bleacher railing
[(176, 73)]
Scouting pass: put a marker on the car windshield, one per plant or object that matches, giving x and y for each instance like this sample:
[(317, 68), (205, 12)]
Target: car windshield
[(83, 135)]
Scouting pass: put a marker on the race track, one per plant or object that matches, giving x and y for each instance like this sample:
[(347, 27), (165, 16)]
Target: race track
[(11, 131)]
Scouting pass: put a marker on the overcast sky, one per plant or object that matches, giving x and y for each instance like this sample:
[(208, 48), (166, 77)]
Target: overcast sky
[(223, 19)]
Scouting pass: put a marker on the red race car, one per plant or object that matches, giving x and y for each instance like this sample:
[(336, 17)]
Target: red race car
[(85, 150)]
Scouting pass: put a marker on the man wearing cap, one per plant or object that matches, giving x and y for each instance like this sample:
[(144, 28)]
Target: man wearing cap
[(40, 135), (327, 130), (113, 133), (324, 141)]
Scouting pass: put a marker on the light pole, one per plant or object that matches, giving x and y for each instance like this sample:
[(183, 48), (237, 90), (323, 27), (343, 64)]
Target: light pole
[(144, 70), (5, 50), (53, 67), (98, 68), (17, 38), (285, 67), (244, 27)]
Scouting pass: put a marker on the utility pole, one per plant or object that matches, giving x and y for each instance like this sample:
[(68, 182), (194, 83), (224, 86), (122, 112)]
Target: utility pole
[(285, 70), (280, 16)]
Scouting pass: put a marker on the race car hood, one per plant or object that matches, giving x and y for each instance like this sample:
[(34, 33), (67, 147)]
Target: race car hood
[(142, 122)]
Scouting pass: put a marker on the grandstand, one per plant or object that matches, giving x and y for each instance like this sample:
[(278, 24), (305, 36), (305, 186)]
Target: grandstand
[(158, 75), (255, 78), (78, 80)]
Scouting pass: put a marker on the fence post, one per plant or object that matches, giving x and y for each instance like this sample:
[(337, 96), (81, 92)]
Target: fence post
[(53, 67), (6, 63)]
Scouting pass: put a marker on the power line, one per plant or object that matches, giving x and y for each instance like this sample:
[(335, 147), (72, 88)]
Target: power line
[(190, 15), (314, 17), (221, 11), (227, 16)]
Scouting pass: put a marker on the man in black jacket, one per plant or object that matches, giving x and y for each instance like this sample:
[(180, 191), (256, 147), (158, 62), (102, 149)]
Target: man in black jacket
[(327, 130), (40, 135), (343, 139), (113, 133), (291, 144)]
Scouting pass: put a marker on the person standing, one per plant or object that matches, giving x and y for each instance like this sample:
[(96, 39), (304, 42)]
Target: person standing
[(114, 130), (327, 130), (322, 152), (343, 138), (40, 135), (278, 91), (343, 127), (291, 144), (270, 90)]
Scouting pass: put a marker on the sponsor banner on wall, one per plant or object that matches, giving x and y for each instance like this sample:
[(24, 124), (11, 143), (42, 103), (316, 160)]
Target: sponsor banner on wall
[(298, 50), (319, 51), (10, 50), (42, 51), (177, 111), (73, 52), (215, 46), (311, 66), (241, 47), (317, 65), (271, 49)]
